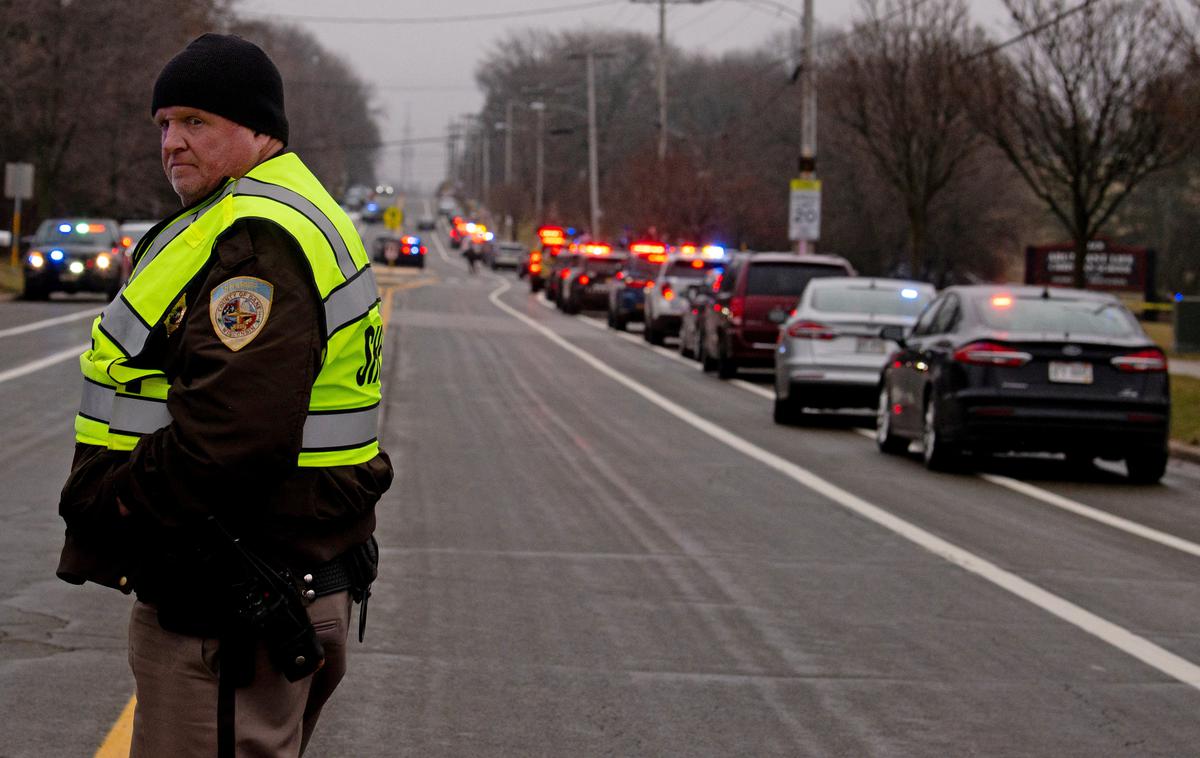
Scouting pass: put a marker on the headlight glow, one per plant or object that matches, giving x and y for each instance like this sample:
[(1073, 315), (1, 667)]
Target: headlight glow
[(102, 261), (36, 260), (76, 267)]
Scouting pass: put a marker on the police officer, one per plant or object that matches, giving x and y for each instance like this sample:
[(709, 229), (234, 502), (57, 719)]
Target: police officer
[(226, 436)]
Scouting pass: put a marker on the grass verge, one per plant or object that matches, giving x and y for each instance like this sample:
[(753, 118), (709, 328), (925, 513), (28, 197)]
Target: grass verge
[(11, 278), (1185, 409)]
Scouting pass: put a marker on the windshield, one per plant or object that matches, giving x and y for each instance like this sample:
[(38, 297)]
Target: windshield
[(67, 231), (785, 278), (640, 268), (881, 302), (1035, 314)]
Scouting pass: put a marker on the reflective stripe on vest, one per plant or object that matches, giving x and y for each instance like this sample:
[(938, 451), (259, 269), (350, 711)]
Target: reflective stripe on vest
[(323, 430), (343, 414)]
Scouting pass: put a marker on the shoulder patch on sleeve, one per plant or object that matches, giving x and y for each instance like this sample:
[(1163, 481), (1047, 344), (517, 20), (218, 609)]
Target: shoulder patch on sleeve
[(238, 309)]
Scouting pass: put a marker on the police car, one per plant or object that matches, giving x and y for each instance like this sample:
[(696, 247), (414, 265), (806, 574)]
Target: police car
[(588, 280), (627, 294), (400, 251), (665, 299), (74, 255)]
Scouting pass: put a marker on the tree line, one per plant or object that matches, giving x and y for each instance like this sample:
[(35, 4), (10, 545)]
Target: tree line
[(75, 101), (943, 150)]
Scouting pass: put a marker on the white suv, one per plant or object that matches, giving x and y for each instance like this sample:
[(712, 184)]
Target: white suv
[(666, 295)]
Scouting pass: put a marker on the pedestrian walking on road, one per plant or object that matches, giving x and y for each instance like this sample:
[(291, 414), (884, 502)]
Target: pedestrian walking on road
[(226, 463)]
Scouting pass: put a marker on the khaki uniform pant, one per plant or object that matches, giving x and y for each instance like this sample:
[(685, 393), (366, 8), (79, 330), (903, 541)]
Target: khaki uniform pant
[(177, 678)]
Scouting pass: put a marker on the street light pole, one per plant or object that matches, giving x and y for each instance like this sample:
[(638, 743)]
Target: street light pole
[(808, 106)]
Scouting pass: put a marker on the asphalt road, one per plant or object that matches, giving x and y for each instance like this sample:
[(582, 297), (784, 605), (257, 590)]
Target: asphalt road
[(592, 548)]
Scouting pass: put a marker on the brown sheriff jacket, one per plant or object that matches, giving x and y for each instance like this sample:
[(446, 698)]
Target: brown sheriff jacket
[(232, 445)]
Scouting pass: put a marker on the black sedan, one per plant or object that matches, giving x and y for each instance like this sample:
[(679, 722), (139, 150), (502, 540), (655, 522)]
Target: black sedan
[(989, 369), (74, 255)]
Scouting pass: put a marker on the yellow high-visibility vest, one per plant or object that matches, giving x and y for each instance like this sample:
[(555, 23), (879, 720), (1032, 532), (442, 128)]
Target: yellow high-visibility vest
[(123, 401)]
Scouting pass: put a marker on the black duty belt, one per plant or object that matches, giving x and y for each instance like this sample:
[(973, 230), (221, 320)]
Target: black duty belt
[(326, 579)]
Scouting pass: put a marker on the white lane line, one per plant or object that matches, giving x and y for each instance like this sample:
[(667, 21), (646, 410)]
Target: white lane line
[(41, 363), (1124, 640), (36, 325), (1095, 514), (1086, 511)]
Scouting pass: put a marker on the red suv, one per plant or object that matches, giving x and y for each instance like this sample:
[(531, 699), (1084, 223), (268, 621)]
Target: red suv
[(756, 293)]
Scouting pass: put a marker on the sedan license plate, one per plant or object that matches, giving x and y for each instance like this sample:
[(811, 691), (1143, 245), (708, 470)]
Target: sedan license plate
[(601, 287), (869, 345), (1070, 373)]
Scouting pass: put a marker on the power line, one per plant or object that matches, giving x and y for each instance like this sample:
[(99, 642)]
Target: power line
[(414, 20), (1055, 21)]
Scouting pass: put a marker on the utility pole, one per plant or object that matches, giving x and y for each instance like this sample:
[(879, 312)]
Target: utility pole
[(662, 80), (662, 69), (540, 108), (593, 153), (485, 137), (808, 113), (508, 142)]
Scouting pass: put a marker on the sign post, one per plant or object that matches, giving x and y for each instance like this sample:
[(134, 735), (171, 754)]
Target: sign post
[(804, 211), (18, 184), (393, 217)]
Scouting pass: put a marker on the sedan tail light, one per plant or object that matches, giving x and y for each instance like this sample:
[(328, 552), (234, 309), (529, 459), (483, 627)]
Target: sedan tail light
[(667, 291), (737, 308), (584, 279), (991, 354), (1149, 361), (811, 330)]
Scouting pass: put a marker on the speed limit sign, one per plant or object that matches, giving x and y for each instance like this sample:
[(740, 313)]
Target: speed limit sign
[(804, 210)]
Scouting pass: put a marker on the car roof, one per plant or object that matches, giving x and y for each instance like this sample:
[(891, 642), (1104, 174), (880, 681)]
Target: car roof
[(809, 258), (868, 282), (1027, 290)]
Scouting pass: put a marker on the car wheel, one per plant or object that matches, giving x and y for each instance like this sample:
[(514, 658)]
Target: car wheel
[(684, 349), (786, 411), (885, 438), (535, 284), (938, 456), (727, 367), (707, 362), (619, 322), (1146, 467), (35, 291)]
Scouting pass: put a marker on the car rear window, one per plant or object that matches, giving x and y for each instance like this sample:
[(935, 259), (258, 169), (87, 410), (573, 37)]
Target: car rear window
[(689, 269), (512, 247), (1035, 314), (878, 301), (786, 278), (640, 268), (603, 266)]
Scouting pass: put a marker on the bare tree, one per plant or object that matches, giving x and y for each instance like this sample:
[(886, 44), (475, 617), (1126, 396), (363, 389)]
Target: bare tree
[(900, 94), (1088, 102)]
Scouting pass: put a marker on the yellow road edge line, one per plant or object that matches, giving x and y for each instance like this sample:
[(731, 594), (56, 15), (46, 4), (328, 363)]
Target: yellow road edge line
[(120, 737), (385, 312)]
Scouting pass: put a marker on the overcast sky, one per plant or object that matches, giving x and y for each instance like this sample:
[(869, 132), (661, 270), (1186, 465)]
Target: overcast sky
[(428, 69)]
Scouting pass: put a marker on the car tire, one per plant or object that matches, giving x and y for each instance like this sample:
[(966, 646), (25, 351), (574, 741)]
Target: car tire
[(535, 284), (727, 367), (886, 438), (36, 292), (785, 411), (936, 454), (684, 350), (619, 323), (1146, 466), (707, 362)]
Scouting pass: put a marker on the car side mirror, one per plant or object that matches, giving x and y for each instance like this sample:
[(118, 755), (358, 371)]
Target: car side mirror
[(895, 333)]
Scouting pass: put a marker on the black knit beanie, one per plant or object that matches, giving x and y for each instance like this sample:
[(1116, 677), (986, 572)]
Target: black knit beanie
[(228, 76)]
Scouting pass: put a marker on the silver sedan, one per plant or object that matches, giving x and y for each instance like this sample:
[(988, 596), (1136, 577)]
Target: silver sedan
[(829, 353)]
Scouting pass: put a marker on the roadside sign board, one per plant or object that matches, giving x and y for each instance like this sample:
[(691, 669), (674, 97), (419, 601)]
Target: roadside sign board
[(18, 181), (1108, 267), (804, 210), (393, 217)]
